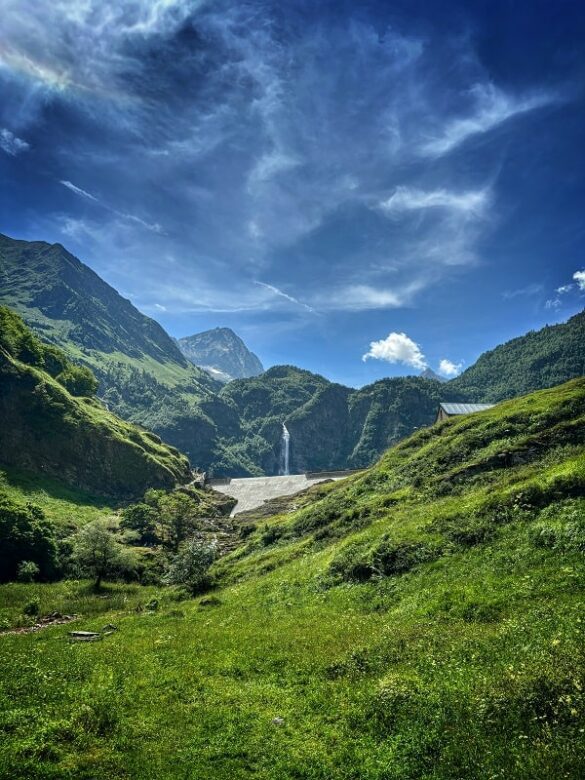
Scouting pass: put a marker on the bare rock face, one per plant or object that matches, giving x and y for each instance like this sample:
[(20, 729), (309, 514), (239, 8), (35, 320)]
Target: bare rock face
[(221, 353)]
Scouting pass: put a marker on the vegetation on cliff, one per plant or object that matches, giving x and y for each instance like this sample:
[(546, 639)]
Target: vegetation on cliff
[(54, 425)]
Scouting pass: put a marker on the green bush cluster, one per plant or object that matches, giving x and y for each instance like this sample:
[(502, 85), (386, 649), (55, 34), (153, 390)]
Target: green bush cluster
[(22, 344), (26, 537)]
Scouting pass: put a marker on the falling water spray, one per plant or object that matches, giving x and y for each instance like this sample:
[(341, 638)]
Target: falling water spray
[(285, 450)]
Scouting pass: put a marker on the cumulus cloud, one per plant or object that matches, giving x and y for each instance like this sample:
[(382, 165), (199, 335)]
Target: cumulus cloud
[(397, 348), (11, 144), (579, 277), (449, 369)]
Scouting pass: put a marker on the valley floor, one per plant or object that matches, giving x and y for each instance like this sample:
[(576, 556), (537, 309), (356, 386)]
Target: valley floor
[(423, 620), (439, 675)]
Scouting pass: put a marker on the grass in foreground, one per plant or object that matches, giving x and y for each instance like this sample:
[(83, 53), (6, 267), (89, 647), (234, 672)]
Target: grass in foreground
[(424, 620)]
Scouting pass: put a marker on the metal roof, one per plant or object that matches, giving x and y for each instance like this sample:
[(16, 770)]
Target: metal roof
[(465, 408)]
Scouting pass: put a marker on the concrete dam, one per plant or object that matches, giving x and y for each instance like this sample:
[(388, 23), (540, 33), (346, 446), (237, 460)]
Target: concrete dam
[(252, 492)]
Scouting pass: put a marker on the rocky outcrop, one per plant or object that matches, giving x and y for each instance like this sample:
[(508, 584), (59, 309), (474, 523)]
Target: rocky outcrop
[(221, 353)]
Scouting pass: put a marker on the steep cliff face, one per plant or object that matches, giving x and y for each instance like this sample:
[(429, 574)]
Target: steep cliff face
[(331, 426), (221, 353), (387, 411), (49, 430)]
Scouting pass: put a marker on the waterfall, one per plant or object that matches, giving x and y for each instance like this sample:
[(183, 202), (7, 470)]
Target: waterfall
[(285, 450)]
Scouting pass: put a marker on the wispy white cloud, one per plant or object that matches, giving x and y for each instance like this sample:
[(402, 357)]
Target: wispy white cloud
[(565, 289), (362, 297), (491, 108), (11, 143), (449, 369), (152, 226), (472, 202), (78, 191), (529, 290), (397, 348), (553, 303), (286, 296)]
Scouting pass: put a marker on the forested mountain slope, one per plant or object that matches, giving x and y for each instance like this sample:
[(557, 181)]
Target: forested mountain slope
[(53, 425), (539, 359), (143, 375), (235, 430)]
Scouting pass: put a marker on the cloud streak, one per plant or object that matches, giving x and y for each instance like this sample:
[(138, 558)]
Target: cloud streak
[(492, 107), (405, 199), (152, 226), (284, 295)]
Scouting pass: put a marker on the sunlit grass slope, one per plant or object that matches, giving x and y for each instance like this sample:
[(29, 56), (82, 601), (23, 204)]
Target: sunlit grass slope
[(422, 620)]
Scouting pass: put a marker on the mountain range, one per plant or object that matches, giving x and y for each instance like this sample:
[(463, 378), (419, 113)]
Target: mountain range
[(235, 428)]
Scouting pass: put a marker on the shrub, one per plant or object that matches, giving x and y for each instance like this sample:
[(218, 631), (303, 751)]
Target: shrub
[(32, 607), (25, 535), (270, 535), (78, 380), (191, 564), (143, 519), (396, 558), (27, 571), (353, 563), (99, 553)]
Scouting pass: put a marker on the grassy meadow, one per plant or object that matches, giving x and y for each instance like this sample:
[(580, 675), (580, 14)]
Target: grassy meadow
[(421, 620)]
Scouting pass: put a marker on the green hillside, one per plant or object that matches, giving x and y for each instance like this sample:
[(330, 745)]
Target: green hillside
[(539, 359), (422, 620), (235, 429), (143, 376), (53, 425), (331, 426)]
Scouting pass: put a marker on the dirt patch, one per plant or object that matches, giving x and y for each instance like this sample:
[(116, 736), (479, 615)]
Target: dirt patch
[(56, 619)]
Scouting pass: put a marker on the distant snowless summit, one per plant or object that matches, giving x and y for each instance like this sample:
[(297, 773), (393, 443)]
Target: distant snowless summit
[(428, 373), (221, 353)]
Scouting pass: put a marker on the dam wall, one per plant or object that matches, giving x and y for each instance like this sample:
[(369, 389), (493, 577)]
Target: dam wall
[(252, 492)]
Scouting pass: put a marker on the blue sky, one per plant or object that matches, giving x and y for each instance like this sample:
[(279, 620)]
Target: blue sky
[(359, 188)]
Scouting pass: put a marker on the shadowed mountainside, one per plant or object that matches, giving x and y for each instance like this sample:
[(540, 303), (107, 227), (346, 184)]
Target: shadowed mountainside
[(53, 425)]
